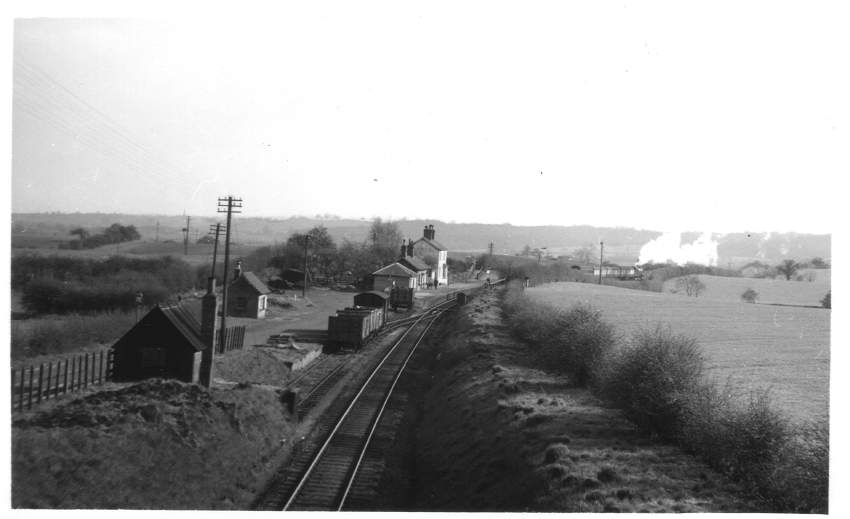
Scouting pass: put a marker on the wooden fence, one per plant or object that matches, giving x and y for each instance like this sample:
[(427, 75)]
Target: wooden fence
[(32, 386), (234, 339)]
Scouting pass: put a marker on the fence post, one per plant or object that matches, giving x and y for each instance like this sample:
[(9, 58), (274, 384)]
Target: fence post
[(86, 371), (40, 380), (49, 376), (79, 381), (29, 393), (100, 371), (21, 395), (65, 381)]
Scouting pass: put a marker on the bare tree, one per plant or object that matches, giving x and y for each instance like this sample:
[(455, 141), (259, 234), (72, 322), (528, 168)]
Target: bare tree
[(691, 285), (788, 268)]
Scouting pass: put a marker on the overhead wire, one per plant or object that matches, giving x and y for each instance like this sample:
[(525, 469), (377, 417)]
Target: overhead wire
[(47, 100), (38, 75)]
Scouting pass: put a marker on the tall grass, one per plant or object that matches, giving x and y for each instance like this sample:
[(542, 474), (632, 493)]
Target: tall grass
[(62, 334), (657, 378)]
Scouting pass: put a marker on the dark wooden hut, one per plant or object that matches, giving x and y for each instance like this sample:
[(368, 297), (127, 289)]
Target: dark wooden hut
[(165, 343)]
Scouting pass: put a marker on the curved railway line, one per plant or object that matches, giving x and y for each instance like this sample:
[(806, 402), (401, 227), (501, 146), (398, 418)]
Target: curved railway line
[(321, 474)]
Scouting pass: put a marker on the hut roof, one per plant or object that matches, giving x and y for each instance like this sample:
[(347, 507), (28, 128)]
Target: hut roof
[(186, 323), (250, 279), (179, 317), (395, 269)]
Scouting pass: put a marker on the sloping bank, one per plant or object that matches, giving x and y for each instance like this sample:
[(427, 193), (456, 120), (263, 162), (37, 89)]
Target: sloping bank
[(491, 428), (152, 445)]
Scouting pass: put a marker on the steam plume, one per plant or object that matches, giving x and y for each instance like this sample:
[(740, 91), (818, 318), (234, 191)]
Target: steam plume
[(669, 247)]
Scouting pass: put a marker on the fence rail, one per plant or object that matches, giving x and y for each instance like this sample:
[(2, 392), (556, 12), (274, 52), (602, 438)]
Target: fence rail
[(234, 339), (32, 386)]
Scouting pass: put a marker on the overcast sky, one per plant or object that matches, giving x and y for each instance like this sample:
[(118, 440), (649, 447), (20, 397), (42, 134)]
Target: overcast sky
[(723, 117)]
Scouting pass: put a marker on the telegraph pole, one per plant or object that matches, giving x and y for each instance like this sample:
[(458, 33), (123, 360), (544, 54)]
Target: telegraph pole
[(186, 236), (601, 248), (227, 205), (491, 249), (306, 242), (215, 230)]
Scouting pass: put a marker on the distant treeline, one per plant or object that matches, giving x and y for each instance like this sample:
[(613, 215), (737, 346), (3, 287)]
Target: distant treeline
[(59, 285), (518, 267), (115, 233)]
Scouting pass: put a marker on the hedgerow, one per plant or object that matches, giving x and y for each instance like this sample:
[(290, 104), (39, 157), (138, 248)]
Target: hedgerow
[(657, 378)]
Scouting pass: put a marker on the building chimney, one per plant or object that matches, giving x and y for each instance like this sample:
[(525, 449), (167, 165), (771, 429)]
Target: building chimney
[(410, 247), (425, 232), (431, 231), (238, 270), (403, 250), (209, 314)]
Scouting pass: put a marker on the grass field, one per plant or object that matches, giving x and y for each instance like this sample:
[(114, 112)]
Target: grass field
[(776, 291), (784, 349)]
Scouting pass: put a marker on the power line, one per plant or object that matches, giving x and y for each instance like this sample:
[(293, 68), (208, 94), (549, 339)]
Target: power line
[(106, 121), (48, 101)]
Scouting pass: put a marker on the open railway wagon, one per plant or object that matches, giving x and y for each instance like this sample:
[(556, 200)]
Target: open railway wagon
[(373, 299), (401, 298), (353, 327)]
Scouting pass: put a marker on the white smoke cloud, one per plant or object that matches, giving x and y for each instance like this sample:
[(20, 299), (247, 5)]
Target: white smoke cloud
[(669, 247)]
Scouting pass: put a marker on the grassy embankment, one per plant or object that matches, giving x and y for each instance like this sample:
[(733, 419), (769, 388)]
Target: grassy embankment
[(498, 429), (152, 445), (659, 380)]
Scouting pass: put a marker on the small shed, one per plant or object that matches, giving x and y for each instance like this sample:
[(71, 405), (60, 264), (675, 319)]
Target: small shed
[(394, 274), (247, 296), (165, 343), (372, 299)]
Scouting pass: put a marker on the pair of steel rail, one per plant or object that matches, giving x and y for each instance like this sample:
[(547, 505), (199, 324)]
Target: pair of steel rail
[(326, 482)]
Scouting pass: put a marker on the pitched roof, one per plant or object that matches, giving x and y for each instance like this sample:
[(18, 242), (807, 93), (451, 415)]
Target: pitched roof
[(433, 243), (395, 269), (414, 263), (254, 282), (185, 322)]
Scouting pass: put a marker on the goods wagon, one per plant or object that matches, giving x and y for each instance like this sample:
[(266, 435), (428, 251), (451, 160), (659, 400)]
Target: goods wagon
[(401, 297), (353, 327), (373, 300)]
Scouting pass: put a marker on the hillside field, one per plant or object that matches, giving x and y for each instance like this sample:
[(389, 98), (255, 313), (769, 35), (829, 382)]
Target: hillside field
[(771, 291), (781, 348)]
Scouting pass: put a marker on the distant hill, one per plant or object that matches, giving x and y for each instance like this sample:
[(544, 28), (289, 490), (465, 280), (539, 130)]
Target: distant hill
[(622, 244)]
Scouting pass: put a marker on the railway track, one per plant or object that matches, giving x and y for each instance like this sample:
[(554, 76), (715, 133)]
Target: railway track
[(322, 474)]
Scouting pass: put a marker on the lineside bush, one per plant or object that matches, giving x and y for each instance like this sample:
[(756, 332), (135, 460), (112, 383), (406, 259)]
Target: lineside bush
[(573, 340), (653, 378), (657, 378)]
